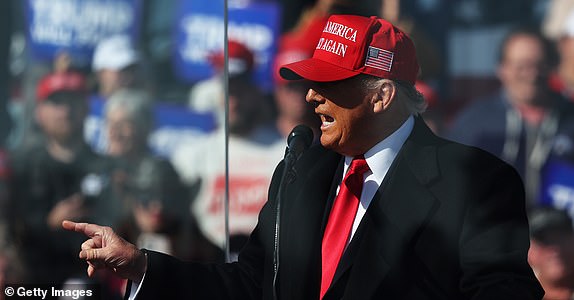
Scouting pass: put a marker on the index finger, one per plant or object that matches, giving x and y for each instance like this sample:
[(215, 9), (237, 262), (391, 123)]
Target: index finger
[(89, 230)]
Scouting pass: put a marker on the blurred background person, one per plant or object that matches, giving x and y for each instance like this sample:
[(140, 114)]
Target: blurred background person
[(208, 95), (55, 177), (254, 150), (128, 120), (146, 201), (522, 121), (11, 269), (433, 115), (148, 195), (554, 17), (118, 64), (430, 61), (551, 251), (562, 79), (158, 212)]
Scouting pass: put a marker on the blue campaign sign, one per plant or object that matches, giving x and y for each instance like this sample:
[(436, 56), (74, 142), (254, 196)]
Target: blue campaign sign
[(557, 185), (76, 26), (199, 31), (174, 125)]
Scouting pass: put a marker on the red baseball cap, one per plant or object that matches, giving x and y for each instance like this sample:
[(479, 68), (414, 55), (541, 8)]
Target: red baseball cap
[(241, 58), (351, 45), (61, 82), (291, 48), (297, 45)]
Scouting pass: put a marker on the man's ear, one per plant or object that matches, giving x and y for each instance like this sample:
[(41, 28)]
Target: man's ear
[(384, 96)]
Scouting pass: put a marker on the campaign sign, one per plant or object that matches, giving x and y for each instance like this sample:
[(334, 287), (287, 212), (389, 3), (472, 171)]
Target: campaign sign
[(174, 125), (557, 185), (199, 32), (76, 26)]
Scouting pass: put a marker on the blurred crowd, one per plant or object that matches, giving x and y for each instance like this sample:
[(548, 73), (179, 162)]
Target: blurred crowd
[(50, 170)]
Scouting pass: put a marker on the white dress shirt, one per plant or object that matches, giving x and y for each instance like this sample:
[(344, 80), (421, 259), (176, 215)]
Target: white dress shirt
[(135, 288), (379, 158)]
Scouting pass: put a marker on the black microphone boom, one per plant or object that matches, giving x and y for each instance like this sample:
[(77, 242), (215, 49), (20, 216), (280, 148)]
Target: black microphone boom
[(298, 141)]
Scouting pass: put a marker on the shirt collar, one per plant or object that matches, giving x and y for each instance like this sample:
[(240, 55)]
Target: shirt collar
[(380, 157)]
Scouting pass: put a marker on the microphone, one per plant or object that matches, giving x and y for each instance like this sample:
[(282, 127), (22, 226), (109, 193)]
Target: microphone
[(298, 141)]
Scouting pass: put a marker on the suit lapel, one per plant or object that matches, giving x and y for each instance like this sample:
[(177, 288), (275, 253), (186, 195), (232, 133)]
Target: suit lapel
[(301, 230), (394, 220)]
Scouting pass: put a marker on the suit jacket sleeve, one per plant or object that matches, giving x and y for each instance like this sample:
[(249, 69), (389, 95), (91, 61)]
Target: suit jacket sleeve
[(169, 278)]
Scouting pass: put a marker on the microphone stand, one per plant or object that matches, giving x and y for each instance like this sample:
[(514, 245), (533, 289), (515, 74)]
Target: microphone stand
[(287, 177), (298, 141)]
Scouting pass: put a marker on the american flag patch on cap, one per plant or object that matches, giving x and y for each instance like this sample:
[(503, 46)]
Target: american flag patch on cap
[(379, 59)]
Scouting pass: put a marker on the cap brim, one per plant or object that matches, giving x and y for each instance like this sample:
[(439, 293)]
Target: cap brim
[(315, 70)]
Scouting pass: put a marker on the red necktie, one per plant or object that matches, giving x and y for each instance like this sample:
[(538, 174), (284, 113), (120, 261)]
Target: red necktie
[(341, 220)]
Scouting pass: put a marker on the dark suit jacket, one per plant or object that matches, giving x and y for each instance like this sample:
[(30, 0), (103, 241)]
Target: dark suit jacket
[(448, 222)]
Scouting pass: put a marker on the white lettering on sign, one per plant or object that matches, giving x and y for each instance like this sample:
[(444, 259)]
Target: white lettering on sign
[(203, 35), (562, 197), (255, 36), (341, 30), (78, 22)]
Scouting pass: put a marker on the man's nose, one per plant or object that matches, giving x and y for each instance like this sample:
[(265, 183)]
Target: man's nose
[(314, 98)]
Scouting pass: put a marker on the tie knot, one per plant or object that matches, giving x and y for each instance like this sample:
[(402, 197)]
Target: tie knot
[(358, 165)]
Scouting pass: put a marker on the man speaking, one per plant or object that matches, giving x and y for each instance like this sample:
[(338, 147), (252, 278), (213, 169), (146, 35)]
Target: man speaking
[(382, 209)]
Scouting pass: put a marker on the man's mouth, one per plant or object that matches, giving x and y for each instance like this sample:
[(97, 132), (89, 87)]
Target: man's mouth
[(326, 120)]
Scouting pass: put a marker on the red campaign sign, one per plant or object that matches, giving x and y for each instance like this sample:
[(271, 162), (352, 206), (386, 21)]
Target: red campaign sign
[(247, 195)]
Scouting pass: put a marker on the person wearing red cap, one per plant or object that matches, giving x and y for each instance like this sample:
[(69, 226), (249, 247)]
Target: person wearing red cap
[(208, 95), (254, 151), (48, 176), (421, 217)]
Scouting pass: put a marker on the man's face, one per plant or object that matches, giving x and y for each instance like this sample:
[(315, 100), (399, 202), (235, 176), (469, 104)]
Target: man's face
[(122, 133), (112, 80), (150, 216), (346, 114), (288, 97), (552, 259), (245, 105), (523, 69), (62, 118), (566, 51)]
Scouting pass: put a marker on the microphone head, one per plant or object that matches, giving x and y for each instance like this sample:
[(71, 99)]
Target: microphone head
[(300, 138)]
